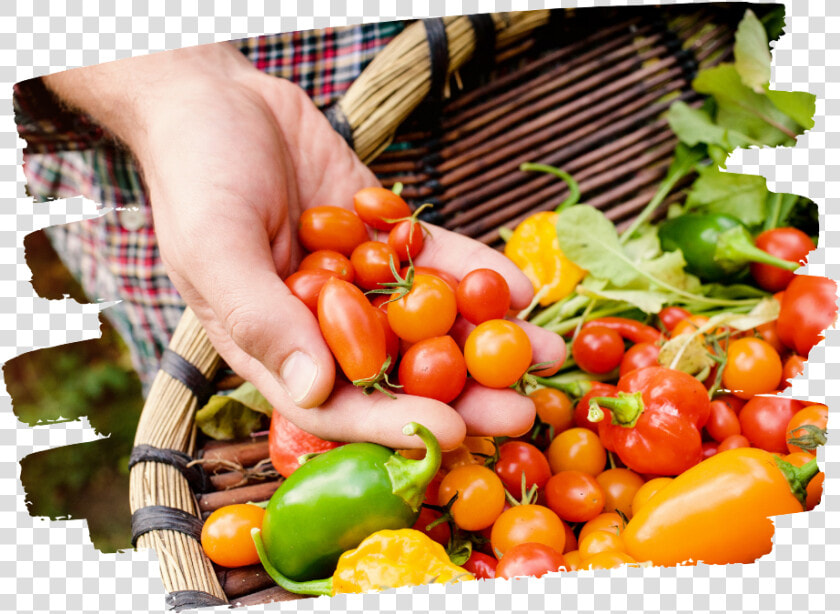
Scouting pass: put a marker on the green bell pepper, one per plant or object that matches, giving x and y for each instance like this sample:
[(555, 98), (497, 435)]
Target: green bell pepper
[(715, 246), (338, 498)]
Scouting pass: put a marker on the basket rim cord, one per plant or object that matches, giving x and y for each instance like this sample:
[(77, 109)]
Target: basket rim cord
[(438, 58)]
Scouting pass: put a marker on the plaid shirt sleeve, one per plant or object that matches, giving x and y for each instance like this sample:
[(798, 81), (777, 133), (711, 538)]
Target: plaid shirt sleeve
[(115, 256)]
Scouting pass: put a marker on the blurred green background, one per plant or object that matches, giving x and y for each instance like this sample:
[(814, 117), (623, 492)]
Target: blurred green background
[(91, 378)]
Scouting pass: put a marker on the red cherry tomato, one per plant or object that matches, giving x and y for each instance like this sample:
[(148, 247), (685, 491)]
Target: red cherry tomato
[(406, 238), (732, 442), (723, 421), (639, 356), (434, 368), (530, 559), (764, 422), (498, 353), (306, 285), (673, 315), (809, 307), (710, 448), (375, 205), (786, 243), (328, 260), (574, 496), (518, 459), (440, 532), (226, 535), (483, 295), (428, 310), (332, 228), (481, 565), (598, 349), (372, 262)]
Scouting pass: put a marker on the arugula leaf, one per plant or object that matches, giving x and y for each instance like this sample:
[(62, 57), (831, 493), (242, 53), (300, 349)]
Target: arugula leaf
[(800, 106), (742, 196), (649, 301), (752, 53), (235, 415), (695, 126)]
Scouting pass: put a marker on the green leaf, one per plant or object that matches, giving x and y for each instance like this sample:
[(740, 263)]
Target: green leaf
[(248, 395), (695, 126), (752, 53), (649, 301), (590, 240), (669, 268), (800, 106), (235, 415), (774, 22), (742, 196)]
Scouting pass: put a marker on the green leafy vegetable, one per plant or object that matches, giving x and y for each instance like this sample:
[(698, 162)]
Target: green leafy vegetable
[(752, 54), (235, 415), (742, 196)]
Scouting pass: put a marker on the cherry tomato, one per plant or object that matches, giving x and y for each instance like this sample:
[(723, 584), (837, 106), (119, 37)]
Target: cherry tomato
[(226, 535), (732, 442), (723, 421), (351, 329), (769, 333), (646, 491), (577, 449), (372, 261), (734, 403), (518, 459), (600, 541), (786, 243), (329, 260), (752, 367), (571, 538), (573, 560), (671, 316), (814, 490), (450, 279), (306, 285), (639, 356), (809, 306), (481, 565), (406, 238), (598, 349), (428, 310), (440, 532), (764, 422), (521, 524), (808, 425), (607, 560), (375, 205), (620, 486), (481, 496), (574, 496), (483, 295), (554, 408), (434, 368), (530, 559), (498, 353), (688, 325), (607, 521), (794, 367), (334, 228)]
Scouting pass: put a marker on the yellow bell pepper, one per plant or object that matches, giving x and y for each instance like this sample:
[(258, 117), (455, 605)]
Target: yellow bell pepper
[(535, 249), (386, 559)]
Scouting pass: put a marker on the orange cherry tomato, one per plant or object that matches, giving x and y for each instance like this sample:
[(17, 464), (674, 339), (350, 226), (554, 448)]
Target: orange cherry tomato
[(427, 310), (794, 367), (573, 560), (806, 430), (620, 486), (600, 541), (334, 228), (554, 408), (498, 353), (646, 491), (752, 367), (608, 521), (521, 524), (481, 496), (577, 449), (608, 560), (226, 535)]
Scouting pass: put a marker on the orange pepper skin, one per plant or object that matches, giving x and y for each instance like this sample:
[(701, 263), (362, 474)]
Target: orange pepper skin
[(716, 512)]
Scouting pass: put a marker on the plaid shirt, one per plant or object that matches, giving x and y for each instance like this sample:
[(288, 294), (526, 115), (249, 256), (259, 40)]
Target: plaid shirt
[(115, 256)]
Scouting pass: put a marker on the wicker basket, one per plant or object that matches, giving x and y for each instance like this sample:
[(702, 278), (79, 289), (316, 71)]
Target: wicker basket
[(583, 90)]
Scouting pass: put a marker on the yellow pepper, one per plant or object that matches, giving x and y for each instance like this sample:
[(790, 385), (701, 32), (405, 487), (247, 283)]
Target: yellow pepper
[(535, 249), (386, 559)]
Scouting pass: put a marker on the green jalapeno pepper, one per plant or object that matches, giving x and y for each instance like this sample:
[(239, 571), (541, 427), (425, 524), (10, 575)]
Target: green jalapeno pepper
[(338, 498), (715, 246)]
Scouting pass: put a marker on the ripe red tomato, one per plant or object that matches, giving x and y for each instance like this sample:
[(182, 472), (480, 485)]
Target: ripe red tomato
[(428, 310), (483, 295), (673, 315), (786, 243), (406, 238), (372, 262), (328, 260), (498, 353), (226, 535), (639, 356), (574, 496), (481, 496), (794, 367), (598, 349), (334, 228), (530, 559), (440, 532), (752, 367), (808, 425), (809, 306), (732, 442), (764, 422), (434, 368), (352, 330), (481, 565), (723, 421), (306, 285), (374, 205), (521, 524), (518, 459)]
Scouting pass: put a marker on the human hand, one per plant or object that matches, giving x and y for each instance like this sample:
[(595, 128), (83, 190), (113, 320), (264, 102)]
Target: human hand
[(231, 157)]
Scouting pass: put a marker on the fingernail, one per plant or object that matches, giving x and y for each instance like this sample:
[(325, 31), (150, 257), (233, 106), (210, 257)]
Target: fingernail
[(297, 374)]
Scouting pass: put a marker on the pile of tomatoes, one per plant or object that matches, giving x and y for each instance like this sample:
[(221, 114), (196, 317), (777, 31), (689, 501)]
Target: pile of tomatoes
[(376, 308)]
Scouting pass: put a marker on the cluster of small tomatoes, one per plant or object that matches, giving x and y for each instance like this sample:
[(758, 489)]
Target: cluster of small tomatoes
[(376, 309)]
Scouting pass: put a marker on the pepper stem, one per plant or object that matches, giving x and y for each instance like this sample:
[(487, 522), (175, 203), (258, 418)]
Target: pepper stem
[(798, 477), (735, 248), (410, 477), (625, 409), (573, 387), (310, 587)]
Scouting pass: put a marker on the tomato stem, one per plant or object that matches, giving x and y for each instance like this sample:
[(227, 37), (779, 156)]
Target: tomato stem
[(813, 438)]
